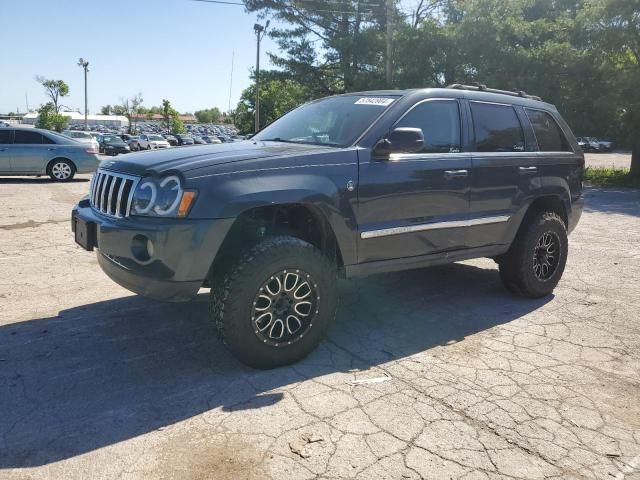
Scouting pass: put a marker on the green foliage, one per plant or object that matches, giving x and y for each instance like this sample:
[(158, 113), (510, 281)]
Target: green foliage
[(130, 108), (106, 110), (610, 177), (210, 115), (277, 97), (49, 119), (171, 118), (55, 90)]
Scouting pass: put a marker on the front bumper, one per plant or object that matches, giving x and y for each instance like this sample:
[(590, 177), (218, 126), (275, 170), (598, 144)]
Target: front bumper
[(183, 251)]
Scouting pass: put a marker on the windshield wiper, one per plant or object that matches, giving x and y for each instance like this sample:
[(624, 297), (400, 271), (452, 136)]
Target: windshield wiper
[(299, 142)]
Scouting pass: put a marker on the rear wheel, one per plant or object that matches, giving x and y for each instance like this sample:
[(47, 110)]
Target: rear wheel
[(61, 170), (273, 305), (535, 262)]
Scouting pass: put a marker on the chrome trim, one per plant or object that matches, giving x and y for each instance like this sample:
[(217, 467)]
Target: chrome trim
[(433, 226), (103, 184)]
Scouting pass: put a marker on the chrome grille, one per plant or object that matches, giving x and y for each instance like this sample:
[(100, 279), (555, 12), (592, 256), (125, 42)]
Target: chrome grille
[(111, 193)]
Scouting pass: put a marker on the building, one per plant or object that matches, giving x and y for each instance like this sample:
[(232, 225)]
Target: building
[(157, 117), (114, 121)]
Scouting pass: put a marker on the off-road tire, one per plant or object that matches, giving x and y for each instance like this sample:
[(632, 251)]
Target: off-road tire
[(234, 291), (517, 265)]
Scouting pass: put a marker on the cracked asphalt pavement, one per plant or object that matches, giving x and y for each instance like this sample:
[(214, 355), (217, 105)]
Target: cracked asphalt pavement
[(427, 374)]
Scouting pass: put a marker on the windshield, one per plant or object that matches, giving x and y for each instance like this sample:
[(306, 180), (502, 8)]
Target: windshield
[(78, 135), (155, 137), (112, 139), (335, 121)]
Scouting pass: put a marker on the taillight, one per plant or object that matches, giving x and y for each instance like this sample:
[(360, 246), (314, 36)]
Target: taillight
[(91, 150)]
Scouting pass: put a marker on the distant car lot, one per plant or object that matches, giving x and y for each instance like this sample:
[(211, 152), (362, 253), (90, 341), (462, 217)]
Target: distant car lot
[(409, 384)]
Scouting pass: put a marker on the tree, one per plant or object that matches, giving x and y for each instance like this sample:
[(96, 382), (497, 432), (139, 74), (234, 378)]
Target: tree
[(130, 109), (210, 115), (330, 47), (106, 110), (171, 118), (55, 90), (614, 28), (49, 119), (277, 97)]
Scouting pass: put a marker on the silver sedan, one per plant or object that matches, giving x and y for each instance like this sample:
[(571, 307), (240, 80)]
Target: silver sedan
[(33, 151)]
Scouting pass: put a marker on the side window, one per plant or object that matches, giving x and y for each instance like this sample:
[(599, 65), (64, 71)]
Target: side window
[(439, 121), (46, 140), (497, 128), (5, 136), (25, 137), (550, 137)]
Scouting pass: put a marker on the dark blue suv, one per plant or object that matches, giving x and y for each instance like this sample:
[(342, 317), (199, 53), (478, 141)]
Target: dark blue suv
[(343, 186)]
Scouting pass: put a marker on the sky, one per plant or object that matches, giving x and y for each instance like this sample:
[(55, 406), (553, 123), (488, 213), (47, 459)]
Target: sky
[(175, 49)]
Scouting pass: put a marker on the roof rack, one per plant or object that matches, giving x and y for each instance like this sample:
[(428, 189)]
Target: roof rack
[(479, 87)]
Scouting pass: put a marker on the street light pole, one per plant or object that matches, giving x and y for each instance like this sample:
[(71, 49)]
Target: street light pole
[(85, 65), (260, 31)]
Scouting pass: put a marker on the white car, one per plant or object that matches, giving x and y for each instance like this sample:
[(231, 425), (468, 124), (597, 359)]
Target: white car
[(82, 137), (150, 141)]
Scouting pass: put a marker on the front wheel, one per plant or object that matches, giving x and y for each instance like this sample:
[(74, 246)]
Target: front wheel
[(61, 170), (535, 261), (273, 305)]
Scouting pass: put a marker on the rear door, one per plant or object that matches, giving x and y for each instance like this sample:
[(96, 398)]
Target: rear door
[(504, 170), (31, 151), (6, 140), (415, 203)]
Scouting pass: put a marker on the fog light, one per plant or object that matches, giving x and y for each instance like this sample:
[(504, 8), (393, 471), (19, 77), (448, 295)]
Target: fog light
[(142, 248)]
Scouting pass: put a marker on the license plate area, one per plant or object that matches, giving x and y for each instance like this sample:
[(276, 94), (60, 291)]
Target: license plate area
[(85, 233)]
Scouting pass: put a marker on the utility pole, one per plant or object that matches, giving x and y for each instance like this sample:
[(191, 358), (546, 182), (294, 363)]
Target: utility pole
[(260, 31), (233, 53), (85, 65), (389, 39)]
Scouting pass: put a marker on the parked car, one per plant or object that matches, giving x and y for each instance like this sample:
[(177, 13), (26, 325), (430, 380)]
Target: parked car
[(344, 186), (210, 139), (198, 140), (134, 143), (604, 145), (82, 137), (184, 139), (4, 124), (171, 139), (588, 144), (32, 151), (152, 141), (111, 144)]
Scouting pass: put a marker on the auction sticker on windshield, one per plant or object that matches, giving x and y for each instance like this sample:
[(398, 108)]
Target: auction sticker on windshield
[(380, 101)]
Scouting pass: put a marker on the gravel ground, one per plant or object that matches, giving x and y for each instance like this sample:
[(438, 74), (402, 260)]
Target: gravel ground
[(436, 373)]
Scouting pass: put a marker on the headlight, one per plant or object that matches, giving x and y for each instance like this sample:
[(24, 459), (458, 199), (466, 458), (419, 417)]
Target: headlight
[(163, 197)]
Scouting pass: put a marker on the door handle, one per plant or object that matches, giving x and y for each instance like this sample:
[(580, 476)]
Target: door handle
[(525, 170), (455, 173), (52, 148)]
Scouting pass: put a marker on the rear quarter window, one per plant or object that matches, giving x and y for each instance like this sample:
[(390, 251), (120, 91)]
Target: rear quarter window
[(548, 134)]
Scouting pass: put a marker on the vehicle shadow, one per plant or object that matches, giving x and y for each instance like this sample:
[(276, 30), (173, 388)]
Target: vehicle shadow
[(102, 373), (624, 201), (43, 179)]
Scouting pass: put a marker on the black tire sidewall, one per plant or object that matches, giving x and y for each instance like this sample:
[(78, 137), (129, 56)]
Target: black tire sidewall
[(517, 269), (60, 160), (242, 284)]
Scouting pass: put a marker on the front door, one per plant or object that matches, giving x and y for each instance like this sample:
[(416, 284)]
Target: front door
[(6, 139), (30, 151), (416, 204), (504, 171)]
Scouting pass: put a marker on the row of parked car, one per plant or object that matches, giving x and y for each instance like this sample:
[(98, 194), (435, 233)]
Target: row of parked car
[(117, 143), (594, 145)]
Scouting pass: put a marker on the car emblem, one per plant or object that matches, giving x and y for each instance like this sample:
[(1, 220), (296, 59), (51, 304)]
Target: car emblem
[(351, 186)]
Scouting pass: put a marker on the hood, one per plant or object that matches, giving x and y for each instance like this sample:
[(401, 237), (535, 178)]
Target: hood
[(184, 159)]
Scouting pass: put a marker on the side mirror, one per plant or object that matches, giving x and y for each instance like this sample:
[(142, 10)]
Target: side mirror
[(400, 140)]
